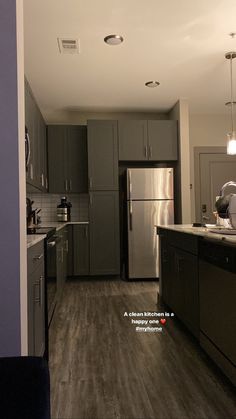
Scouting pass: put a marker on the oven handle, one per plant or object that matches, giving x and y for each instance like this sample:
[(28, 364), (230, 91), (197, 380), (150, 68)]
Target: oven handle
[(51, 244)]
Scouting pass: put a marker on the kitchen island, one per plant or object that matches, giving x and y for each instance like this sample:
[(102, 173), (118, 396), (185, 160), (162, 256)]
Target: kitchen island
[(198, 282)]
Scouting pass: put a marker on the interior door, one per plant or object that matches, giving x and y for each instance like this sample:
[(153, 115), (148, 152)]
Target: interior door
[(215, 170)]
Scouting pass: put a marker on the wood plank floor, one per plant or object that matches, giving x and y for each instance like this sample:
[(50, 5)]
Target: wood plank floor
[(101, 368)]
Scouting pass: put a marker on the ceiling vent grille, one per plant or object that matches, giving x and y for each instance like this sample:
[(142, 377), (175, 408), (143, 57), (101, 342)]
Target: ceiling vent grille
[(68, 45)]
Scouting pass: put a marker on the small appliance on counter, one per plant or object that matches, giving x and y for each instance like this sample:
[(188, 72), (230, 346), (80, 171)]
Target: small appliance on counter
[(63, 210), (226, 205), (32, 216)]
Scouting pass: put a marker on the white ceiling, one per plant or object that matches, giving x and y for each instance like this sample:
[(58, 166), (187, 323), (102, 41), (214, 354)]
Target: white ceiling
[(180, 43)]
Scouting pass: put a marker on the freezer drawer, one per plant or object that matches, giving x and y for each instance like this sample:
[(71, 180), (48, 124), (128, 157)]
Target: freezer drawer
[(147, 184), (143, 242)]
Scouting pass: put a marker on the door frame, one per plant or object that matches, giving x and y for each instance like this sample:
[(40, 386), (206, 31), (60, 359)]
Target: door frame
[(197, 153)]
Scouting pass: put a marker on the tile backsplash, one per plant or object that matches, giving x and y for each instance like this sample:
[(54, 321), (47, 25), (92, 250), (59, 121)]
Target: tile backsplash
[(48, 203)]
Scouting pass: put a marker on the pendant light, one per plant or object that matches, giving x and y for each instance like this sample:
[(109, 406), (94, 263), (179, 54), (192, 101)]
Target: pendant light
[(231, 136)]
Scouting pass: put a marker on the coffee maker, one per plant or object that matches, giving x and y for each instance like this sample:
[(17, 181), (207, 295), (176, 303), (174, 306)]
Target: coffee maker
[(64, 210)]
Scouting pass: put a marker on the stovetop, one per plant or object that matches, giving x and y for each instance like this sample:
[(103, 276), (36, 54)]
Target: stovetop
[(49, 231)]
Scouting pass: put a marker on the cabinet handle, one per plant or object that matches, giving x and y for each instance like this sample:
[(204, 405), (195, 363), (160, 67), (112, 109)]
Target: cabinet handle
[(70, 183), (86, 232), (38, 297), (42, 179), (41, 289), (31, 171), (150, 151), (145, 151), (90, 183), (38, 257), (66, 246), (66, 185)]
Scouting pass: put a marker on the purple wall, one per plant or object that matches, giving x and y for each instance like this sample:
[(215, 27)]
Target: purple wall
[(9, 186)]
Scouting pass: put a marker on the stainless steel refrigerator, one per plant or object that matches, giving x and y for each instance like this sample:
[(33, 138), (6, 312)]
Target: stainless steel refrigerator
[(150, 203)]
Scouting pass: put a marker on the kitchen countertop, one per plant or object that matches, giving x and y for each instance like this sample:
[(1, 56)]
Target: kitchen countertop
[(201, 231), (60, 225), (33, 239)]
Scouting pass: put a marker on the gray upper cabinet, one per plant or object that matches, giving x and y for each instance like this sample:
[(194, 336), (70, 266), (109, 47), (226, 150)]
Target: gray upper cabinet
[(67, 159), (162, 140), (133, 141), (77, 161), (104, 233), (56, 158), (36, 174), (147, 140), (102, 155)]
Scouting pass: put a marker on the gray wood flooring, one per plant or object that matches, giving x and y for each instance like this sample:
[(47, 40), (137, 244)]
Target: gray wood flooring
[(101, 368)]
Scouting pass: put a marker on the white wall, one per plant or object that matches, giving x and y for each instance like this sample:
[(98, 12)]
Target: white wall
[(205, 130), (81, 117)]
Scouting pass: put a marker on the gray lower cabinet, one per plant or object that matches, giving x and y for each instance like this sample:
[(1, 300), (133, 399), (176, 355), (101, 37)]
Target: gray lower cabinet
[(133, 141), (102, 155), (179, 276), (67, 159), (154, 140), (62, 259), (80, 249), (104, 233), (36, 300)]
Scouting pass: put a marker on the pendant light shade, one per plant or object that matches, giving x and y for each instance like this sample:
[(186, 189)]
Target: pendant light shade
[(231, 136), (231, 143)]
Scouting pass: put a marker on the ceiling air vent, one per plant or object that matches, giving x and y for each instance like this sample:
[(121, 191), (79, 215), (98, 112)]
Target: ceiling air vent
[(68, 45)]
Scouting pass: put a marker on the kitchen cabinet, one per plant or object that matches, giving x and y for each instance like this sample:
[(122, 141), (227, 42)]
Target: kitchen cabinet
[(102, 155), (36, 300), (80, 249), (217, 291), (154, 140), (133, 140), (36, 174), (62, 259), (180, 288), (162, 140), (67, 159), (104, 233)]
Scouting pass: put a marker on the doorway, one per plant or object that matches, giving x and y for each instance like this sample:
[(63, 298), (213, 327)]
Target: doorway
[(212, 168)]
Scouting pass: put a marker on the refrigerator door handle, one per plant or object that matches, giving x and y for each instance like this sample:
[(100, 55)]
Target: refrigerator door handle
[(130, 185), (130, 216)]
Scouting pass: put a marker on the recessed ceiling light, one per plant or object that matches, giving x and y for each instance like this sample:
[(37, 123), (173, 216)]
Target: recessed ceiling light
[(113, 39), (152, 83)]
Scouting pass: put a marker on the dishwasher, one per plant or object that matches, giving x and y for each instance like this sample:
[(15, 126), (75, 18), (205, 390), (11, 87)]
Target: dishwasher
[(217, 300)]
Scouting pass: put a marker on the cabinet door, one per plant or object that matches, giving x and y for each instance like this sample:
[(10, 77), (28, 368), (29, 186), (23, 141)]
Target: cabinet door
[(39, 311), (60, 269), (65, 252), (104, 233), (56, 159), (162, 140), (167, 271), (30, 124), (81, 249), (43, 154), (70, 256), (133, 140), (77, 159), (102, 155)]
